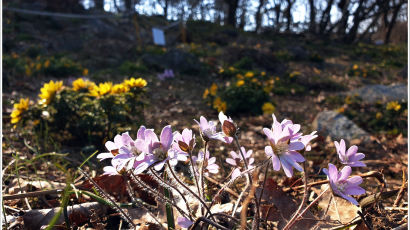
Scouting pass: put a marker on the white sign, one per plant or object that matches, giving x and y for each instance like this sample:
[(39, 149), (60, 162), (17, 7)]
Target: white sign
[(159, 37)]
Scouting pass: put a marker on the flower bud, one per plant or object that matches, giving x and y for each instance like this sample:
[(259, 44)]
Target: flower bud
[(229, 128), (183, 146)]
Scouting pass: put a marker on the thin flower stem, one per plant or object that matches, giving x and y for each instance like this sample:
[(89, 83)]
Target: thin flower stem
[(289, 225), (157, 194), (305, 196), (194, 172), (176, 189), (187, 188), (260, 197), (201, 177)]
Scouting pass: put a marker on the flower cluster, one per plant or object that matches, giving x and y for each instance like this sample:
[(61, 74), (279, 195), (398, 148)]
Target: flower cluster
[(168, 73), (340, 182), (107, 88), (285, 141)]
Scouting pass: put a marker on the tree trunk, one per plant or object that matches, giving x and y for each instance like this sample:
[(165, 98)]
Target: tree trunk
[(99, 4), (232, 8), (312, 16), (325, 19), (393, 20), (342, 24), (288, 14), (258, 16)]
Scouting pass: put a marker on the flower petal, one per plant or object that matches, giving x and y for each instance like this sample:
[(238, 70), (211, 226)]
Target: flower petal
[(166, 137), (296, 146), (345, 173)]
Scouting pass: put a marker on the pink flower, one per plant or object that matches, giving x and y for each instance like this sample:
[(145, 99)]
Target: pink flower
[(184, 222), (342, 185), (208, 131), (306, 139), (210, 165), (351, 157), (284, 141), (114, 147), (237, 161), (184, 142), (168, 73)]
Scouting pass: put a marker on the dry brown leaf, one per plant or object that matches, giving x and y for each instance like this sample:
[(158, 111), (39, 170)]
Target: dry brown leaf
[(276, 205), (36, 218), (25, 185)]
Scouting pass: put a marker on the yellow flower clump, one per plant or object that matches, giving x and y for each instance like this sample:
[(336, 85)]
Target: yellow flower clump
[(101, 90), (268, 108), (206, 93), (49, 90), (219, 105), (81, 84), (240, 83), (249, 74), (119, 88), (355, 67), (393, 105), (135, 83), (213, 89), (18, 110)]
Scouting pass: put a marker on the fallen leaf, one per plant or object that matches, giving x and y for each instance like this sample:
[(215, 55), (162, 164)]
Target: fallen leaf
[(36, 218), (21, 185), (276, 205)]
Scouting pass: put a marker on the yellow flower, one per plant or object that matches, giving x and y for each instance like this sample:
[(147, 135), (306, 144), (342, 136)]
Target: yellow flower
[(267, 89), (294, 74), (239, 76), (119, 88), (38, 66), (28, 70), (393, 105), (341, 109), (206, 93), (348, 100), (249, 74), (277, 78), (268, 108), (213, 89), (355, 67), (18, 110), (219, 104), (221, 70), (263, 74), (49, 90), (101, 89), (379, 115), (81, 84), (231, 68), (240, 83), (47, 63), (135, 83), (14, 55), (85, 72)]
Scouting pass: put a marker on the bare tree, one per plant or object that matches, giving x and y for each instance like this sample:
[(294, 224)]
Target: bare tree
[(232, 8)]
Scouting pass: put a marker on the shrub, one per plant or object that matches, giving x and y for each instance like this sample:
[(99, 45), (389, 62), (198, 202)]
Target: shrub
[(243, 94), (84, 113)]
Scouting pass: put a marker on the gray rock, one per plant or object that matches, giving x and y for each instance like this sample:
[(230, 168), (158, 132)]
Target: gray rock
[(383, 93), (338, 126)]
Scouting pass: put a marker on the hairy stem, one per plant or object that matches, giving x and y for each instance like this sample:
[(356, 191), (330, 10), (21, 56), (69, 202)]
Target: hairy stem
[(188, 189)]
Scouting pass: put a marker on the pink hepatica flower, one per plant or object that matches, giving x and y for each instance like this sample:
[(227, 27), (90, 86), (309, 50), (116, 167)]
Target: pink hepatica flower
[(351, 157), (184, 222), (184, 142), (210, 165), (306, 139), (208, 130), (168, 73), (157, 151), (237, 161), (114, 147), (342, 185), (284, 141)]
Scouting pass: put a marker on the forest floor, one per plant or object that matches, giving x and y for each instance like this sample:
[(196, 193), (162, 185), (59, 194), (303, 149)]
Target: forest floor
[(310, 76)]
